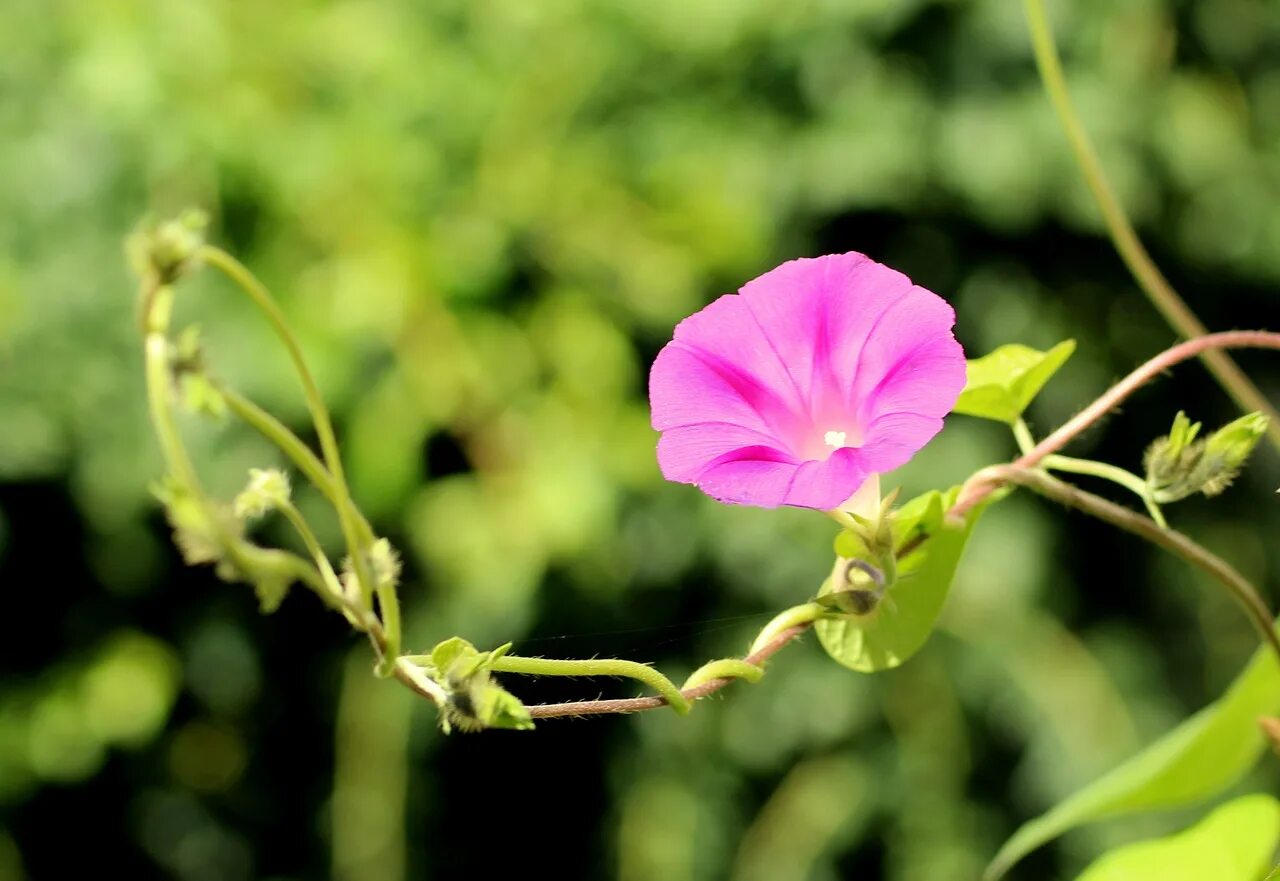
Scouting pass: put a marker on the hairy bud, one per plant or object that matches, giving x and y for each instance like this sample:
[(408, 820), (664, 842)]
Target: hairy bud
[(1178, 465)]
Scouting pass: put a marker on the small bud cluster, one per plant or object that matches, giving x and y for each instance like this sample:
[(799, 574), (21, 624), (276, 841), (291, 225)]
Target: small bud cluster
[(475, 700), (268, 490), (862, 577), (166, 251), (1178, 465)]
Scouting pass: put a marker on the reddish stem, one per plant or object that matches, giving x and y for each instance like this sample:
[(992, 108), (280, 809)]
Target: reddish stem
[(636, 704), (971, 496), (1235, 339)]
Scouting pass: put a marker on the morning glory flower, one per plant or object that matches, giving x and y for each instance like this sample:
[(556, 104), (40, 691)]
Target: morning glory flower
[(805, 385)]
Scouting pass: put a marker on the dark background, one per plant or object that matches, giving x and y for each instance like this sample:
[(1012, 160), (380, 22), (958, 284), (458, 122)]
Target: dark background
[(484, 219)]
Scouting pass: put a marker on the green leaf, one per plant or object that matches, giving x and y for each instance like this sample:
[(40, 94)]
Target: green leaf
[(1274, 876), (1201, 757), (495, 707), (1234, 843), (1001, 385), (901, 622)]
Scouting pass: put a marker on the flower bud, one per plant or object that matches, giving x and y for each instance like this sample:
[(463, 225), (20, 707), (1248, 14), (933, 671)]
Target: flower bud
[(384, 561), (168, 250), (475, 701), (1178, 465), (1228, 448), (268, 490)]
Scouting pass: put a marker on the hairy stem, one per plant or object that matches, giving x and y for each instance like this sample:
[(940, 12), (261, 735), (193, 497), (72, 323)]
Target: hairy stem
[(1109, 400), (347, 515), (159, 304), (1168, 539), (1126, 241), (596, 667), (292, 446), (1113, 473), (639, 704), (725, 668), (804, 614), (333, 585)]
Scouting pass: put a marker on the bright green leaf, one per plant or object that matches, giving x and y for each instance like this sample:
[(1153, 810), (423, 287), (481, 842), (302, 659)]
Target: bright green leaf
[(1234, 843), (1201, 757), (1274, 876), (1001, 385), (495, 707), (903, 620)]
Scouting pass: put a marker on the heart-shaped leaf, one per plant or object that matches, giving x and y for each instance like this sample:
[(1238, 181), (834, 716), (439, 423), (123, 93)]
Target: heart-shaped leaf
[(1234, 843), (901, 622), (1201, 757), (1001, 385)]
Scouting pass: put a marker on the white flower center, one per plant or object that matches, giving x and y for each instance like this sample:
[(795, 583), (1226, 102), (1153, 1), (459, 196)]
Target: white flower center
[(834, 439)]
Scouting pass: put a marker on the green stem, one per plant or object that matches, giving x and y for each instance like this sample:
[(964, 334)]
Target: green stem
[(1115, 474), (1124, 238), (412, 675), (347, 515), (726, 669), (757, 658), (292, 446), (1168, 539), (596, 667), (974, 492), (802, 615), (389, 606), (330, 578), (301, 455), (159, 381), (245, 556), (1022, 434), (157, 301)]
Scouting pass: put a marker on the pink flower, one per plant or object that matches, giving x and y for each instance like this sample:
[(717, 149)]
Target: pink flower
[(813, 378)]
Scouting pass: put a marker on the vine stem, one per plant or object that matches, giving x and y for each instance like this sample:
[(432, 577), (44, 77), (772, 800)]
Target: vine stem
[(987, 481), (1123, 237), (290, 444), (639, 704), (354, 530), (975, 491), (1170, 540), (595, 667), (1113, 473), (157, 300)]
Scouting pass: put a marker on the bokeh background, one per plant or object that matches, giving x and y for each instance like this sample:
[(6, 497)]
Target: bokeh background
[(484, 218)]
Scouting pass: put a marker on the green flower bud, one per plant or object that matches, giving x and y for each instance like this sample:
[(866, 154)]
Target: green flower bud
[(268, 490), (1178, 465), (475, 701), (1228, 448), (168, 250), (384, 562)]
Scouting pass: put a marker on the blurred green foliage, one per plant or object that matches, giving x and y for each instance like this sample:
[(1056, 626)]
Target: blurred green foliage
[(484, 217)]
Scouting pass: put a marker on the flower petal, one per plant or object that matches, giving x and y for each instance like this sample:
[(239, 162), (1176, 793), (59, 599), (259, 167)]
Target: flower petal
[(721, 367), (686, 452), (911, 361), (818, 313), (686, 389), (894, 438), (754, 390), (824, 485), (750, 482)]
